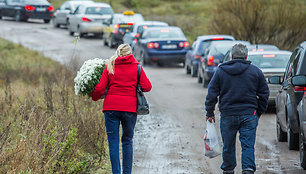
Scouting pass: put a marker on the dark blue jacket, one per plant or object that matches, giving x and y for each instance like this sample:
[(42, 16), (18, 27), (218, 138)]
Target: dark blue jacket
[(241, 87)]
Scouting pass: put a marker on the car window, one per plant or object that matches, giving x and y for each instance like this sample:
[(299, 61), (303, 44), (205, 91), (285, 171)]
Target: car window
[(288, 72), (165, 33), (79, 9), (194, 44), (204, 45), (13, 1), (264, 61), (98, 10), (295, 64), (141, 28), (35, 1), (302, 64)]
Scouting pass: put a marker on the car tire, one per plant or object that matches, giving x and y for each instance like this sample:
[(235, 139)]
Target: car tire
[(302, 147), (104, 41), (293, 139), (0, 17), (55, 25), (46, 21), (111, 42), (193, 71), (281, 135), (17, 16), (200, 79), (187, 69), (79, 32), (205, 82)]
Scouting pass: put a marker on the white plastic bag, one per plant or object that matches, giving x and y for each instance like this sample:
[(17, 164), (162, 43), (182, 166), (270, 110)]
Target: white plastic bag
[(212, 147)]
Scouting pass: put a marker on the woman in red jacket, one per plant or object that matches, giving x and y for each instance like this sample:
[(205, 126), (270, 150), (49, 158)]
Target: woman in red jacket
[(120, 77)]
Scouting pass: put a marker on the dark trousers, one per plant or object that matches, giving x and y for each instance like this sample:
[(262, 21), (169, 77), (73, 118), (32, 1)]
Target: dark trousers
[(112, 123), (246, 125)]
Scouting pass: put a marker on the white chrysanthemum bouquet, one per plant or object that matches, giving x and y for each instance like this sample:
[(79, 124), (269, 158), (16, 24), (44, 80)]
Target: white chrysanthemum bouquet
[(88, 76)]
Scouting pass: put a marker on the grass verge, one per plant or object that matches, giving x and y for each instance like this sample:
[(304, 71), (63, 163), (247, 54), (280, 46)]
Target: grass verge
[(44, 126)]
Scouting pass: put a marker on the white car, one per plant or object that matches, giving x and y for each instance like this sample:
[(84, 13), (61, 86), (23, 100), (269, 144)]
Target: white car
[(89, 18), (61, 14)]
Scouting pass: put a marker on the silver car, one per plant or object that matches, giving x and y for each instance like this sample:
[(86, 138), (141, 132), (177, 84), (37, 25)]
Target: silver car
[(61, 14), (89, 18), (138, 29), (272, 63)]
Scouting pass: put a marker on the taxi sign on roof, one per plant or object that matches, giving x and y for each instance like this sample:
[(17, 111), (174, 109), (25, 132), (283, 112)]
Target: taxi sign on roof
[(128, 13)]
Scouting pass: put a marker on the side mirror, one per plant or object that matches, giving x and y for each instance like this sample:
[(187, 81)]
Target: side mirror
[(299, 80), (275, 80)]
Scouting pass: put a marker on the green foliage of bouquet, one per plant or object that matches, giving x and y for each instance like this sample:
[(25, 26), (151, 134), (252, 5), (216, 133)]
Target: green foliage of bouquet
[(88, 76)]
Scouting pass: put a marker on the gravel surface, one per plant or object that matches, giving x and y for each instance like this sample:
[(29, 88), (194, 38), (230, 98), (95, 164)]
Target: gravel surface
[(170, 139)]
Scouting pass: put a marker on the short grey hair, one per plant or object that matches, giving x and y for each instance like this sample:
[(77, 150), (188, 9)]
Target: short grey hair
[(239, 51)]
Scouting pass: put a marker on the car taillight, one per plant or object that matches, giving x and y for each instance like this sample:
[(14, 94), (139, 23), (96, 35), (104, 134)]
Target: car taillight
[(50, 8), (85, 19), (130, 23), (299, 88), (197, 56), (29, 8), (210, 61), (183, 44), (116, 27), (152, 45), (137, 35)]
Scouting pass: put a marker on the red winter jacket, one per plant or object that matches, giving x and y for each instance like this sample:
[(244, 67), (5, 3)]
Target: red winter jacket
[(121, 94)]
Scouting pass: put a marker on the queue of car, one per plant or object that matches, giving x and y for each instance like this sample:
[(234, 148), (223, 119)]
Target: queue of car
[(157, 42)]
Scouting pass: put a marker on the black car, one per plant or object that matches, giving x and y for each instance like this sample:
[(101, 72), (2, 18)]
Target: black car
[(213, 56), (300, 82), (288, 121), (162, 45), (200, 44), (22, 10)]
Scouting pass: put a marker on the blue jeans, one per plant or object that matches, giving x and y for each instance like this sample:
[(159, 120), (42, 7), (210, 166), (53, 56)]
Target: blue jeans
[(112, 123), (246, 125)]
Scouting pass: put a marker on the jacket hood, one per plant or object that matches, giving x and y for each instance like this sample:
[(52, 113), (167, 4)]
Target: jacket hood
[(235, 67), (129, 59)]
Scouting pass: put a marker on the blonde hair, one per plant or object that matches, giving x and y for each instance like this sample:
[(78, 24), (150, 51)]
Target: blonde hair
[(122, 50)]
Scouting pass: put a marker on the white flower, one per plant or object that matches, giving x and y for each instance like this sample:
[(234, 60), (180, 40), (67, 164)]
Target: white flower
[(88, 74)]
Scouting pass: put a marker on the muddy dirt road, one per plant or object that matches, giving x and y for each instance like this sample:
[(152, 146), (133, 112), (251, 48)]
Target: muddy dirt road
[(170, 139)]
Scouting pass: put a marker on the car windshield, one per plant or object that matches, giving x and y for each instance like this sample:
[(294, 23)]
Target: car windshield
[(141, 28), (165, 33), (263, 61), (222, 48), (35, 1), (120, 18), (98, 10)]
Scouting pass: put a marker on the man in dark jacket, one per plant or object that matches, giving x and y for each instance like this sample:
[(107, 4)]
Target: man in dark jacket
[(243, 96)]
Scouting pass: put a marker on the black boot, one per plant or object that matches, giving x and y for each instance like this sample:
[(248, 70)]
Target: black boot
[(247, 172)]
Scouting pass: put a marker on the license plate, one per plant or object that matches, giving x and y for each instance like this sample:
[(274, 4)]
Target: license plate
[(169, 46), (41, 9)]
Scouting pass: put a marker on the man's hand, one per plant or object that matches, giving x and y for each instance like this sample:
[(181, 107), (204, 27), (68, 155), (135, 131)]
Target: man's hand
[(210, 119)]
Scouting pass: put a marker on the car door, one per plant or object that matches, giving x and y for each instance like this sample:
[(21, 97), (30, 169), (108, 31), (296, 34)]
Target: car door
[(75, 19), (281, 99), (62, 13), (10, 8)]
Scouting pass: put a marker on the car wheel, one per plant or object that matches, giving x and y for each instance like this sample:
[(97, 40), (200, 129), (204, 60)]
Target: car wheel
[(187, 69), (281, 135), (302, 150), (55, 25), (104, 41), (79, 32), (17, 16), (193, 71), (205, 82), (46, 21), (200, 79), (111, 42), (293, 139), (0, 17)]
